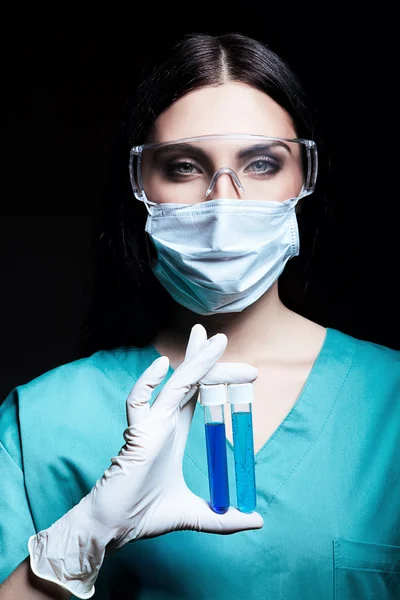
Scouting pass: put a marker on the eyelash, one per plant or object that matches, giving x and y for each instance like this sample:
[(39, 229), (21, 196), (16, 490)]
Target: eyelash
[(272, 162), (178, 163)]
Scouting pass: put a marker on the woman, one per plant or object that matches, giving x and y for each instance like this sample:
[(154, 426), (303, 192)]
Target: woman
[(222, 168)]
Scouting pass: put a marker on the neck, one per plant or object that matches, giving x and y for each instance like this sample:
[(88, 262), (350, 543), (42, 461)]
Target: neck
[(261, 330)]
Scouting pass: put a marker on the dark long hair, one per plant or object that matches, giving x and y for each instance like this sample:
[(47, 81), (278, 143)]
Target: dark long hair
[(129, 305)]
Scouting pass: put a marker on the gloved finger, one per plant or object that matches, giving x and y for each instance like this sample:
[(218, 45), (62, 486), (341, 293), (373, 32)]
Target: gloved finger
[(225, 373), (189, 373), (197, 338), (137, 403), (232, 521), (230, 373)]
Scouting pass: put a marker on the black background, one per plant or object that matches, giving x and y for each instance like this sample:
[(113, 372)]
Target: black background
[(66, 73)]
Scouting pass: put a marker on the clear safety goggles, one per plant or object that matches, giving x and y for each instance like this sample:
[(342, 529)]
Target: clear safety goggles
[(242, 166)]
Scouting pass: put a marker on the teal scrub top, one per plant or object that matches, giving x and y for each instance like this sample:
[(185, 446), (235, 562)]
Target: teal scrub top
[(328, 482)]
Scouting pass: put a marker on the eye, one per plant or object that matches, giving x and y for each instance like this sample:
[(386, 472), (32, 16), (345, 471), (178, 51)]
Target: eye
[(181, 168), (265, 165)]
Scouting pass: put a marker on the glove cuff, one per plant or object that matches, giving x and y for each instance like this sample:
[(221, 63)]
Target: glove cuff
[(69, 553)]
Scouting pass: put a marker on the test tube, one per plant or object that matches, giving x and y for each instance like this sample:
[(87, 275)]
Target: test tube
[(213, 399), (240, 397)]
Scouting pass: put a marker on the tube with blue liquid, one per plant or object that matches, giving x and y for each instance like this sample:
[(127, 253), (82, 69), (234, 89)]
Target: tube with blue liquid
[(240, 397), (213, 399)]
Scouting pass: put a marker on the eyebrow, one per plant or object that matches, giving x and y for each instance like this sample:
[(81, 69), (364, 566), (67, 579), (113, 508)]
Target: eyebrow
[(261, 148), (181, 147), (189, 149), (200, 153)]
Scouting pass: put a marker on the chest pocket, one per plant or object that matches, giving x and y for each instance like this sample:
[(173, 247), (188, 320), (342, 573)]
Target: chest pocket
[(365, 571)]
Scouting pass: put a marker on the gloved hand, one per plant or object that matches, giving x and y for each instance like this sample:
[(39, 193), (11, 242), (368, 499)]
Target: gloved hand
[(143, 493)]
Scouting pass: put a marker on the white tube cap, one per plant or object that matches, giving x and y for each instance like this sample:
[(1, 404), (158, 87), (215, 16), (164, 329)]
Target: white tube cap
[(240, 393), (212, 395)]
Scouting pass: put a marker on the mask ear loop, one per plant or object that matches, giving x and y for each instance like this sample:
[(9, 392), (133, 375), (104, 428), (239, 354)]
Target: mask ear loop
[(148, 204), (218, 174)]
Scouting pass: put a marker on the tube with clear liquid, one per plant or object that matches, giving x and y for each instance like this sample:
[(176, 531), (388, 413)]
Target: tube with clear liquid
[(213, 398), (240, 397)]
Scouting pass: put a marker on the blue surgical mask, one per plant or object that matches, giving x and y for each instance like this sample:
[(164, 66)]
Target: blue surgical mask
[(220, 256)]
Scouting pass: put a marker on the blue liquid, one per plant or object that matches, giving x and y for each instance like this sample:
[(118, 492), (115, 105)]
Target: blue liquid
[(217, 467), (243, 448)]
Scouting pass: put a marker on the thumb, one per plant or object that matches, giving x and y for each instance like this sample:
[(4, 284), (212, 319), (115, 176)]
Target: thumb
[(233, 521), (137, 403)]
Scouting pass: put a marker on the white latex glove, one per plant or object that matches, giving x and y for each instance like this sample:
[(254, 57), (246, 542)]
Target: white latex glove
[(143, 493)]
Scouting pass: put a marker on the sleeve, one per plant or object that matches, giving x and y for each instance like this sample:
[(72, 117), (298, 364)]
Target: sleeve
[(16, 524)]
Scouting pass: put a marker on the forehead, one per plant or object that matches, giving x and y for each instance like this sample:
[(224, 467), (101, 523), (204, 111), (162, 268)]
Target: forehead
[(227, 108)]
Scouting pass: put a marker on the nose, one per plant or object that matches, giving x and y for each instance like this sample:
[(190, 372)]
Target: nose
[(224, 184)]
